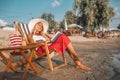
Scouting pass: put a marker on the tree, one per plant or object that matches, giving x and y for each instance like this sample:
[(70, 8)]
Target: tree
[(70, 17), (94, 13), (50, 18), (75, 6), (118, 26), (62, 25)]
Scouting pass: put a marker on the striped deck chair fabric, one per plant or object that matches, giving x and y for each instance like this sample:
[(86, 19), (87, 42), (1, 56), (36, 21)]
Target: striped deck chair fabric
[(25, 32)]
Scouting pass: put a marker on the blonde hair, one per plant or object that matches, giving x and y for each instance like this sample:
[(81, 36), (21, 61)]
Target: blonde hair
[(34, 29)]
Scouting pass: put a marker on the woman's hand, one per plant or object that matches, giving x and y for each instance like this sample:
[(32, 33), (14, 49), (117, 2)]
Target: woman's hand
[(48, 42)]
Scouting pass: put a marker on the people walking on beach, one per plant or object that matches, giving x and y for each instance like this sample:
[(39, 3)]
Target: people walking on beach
[(38, 27)]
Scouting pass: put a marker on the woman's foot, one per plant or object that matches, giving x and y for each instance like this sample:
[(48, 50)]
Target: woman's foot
[(83, 67)]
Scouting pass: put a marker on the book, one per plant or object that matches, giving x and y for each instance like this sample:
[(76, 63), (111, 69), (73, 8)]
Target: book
[(56, 36)]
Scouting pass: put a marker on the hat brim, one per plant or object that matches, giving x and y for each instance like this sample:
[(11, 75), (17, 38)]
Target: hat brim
[(34, 21)]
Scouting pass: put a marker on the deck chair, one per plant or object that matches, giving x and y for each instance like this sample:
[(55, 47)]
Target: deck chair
[(9, 61), (24, 31), (22, 53)]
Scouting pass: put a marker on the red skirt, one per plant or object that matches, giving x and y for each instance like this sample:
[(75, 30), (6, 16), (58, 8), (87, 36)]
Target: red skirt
[(60, 45)]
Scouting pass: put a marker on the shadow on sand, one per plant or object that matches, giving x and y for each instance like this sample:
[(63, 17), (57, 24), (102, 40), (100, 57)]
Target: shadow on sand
[(18, 76)]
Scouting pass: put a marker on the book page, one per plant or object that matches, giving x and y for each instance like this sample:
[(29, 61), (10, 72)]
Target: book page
[(56, 36)]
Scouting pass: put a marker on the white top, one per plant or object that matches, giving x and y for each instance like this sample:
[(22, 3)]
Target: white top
[(37, 38)]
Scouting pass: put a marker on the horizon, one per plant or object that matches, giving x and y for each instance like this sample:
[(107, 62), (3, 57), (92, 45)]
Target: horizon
[(24, 10)]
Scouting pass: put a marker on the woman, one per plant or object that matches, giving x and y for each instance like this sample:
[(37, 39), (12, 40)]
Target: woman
[(39, 28)]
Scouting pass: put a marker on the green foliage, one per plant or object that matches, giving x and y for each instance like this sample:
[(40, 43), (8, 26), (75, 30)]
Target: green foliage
[(62, 24), (50, 18), (70, 17), (118, 26), (95, 13)]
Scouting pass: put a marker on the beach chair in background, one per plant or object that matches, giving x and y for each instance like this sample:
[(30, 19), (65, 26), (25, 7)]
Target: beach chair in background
[(23, 29)]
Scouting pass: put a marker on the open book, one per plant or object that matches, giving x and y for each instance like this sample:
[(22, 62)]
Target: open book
[(55, 36)]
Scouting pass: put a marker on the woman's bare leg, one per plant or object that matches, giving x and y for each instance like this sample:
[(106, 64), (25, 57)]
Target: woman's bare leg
[(75, 58)]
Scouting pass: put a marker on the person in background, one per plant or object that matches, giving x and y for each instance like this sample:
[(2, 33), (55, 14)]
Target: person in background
[(38, 27), (103, 34)]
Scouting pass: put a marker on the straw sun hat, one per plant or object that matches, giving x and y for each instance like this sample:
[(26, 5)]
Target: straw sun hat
[(34, 21)]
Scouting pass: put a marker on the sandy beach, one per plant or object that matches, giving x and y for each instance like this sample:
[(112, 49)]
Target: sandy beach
[(101, 55)]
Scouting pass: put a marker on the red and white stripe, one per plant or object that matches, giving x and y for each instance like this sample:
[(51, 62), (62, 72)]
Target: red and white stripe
[(15, 40)]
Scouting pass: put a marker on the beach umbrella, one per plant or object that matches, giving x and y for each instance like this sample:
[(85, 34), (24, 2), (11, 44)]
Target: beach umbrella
[(74, 25)]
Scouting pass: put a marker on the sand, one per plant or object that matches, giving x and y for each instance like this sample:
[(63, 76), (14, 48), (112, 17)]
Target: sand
[(101, 55)]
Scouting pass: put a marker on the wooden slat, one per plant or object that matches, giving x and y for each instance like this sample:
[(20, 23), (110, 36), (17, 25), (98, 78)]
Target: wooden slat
[(29, 46), (6, 60), (18, 28), (29, 61), (48, 57)]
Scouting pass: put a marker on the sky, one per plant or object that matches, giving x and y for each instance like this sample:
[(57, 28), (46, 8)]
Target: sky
[(24, 10), (116, 19)]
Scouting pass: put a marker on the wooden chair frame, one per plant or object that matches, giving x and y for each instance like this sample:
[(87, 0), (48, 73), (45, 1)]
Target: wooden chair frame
[(30, 40), (31, 46), (22, 53)]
